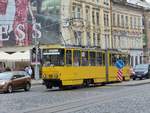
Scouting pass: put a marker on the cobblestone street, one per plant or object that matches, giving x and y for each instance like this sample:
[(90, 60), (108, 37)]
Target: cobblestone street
[(106, 99)]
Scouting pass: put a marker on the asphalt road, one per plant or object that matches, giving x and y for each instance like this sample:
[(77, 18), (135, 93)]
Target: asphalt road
[(106, 99)]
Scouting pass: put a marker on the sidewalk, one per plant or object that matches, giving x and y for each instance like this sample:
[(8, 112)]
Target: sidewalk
[(130, 83), (36, 82), (124, 83)]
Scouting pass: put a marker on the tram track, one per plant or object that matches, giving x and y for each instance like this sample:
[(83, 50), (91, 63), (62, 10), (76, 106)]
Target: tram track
[(76, 105)]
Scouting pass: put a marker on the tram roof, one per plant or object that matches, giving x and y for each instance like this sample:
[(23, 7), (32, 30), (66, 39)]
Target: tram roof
[(58, 46)]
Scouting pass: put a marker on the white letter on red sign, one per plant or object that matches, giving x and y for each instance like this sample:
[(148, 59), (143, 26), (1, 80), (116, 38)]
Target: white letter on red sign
[(36, 30), (19, 33), (4, 35)]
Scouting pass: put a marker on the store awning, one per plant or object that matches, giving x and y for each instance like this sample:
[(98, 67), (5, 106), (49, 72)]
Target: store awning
[(17, 56)]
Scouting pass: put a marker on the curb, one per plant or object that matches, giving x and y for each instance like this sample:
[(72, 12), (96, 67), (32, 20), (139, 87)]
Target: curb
[(130, 83), (38, 82), (126, 83)]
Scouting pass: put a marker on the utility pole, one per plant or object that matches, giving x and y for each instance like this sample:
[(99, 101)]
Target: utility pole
[(106, 58), (37, 65), (35, 35)]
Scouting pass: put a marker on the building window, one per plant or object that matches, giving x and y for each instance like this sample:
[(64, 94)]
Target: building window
[(149, 24), (98, 40), (135, 23), (88, 39), (132, 61), (122, 21), (141, 60), (136, 60), (76, 12), (94, 39), (106, 2), (78, 35), (114, 42), (118, 20), (97, 18), (97, 1), (131, 23), (139, 22), (87, 14), (114, 21), (126, 21), (93, 17), (106, 19)]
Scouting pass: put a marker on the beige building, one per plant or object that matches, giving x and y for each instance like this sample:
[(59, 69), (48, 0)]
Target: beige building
[(127, 29), (86, 23), (147, 36)]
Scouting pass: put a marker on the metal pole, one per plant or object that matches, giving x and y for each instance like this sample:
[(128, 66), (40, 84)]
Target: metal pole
[(36, 44), (106, 59), (36, 67)]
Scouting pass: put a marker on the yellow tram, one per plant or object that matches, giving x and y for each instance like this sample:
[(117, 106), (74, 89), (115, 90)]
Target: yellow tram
[(69, 66)]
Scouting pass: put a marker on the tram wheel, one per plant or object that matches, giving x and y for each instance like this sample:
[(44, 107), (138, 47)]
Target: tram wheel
[(87, 82)]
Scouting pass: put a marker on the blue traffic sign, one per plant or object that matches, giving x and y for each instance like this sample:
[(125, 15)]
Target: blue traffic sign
[(119, 64)]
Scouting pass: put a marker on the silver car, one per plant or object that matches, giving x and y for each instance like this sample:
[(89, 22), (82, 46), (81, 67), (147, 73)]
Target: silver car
[(141, 71)]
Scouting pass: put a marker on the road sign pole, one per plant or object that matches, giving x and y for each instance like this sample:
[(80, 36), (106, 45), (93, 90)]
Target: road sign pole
[(106, 59), (36, 68)]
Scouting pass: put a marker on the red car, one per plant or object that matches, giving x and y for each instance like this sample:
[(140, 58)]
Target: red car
[(13, 80)]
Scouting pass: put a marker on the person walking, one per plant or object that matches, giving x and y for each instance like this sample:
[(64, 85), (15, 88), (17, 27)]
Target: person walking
[(28, 69)]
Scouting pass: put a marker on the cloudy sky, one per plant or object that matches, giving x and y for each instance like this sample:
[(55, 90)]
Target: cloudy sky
[(148, 1)]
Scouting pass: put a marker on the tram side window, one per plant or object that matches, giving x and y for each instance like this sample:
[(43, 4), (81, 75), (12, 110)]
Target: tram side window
[(85, 58), (99, 59), (125, 59), (68, 57), (76, 58), (110, 59), (92, 58), (104, 57), (114, 59)]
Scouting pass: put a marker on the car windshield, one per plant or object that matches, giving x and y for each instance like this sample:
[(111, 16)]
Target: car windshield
[(141, 66), (5, 76)]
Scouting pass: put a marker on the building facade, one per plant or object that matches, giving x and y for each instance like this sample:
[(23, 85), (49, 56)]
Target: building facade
[(127, 29), (146, 18), (86, 23), (112, 24)]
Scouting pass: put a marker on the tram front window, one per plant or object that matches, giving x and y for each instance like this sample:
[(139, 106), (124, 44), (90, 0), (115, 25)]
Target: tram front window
[(53, 57)]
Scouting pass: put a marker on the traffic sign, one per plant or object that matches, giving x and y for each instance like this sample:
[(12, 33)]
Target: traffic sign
[(119, 64)]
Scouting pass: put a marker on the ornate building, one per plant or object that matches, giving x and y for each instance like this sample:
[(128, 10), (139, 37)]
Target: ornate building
[(86, 23), (127, 29)]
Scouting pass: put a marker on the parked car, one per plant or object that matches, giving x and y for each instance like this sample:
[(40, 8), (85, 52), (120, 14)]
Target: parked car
[(141, 71), (13, 80)]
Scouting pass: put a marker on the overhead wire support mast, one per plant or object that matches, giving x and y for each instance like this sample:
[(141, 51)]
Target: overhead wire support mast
[(36, 44)]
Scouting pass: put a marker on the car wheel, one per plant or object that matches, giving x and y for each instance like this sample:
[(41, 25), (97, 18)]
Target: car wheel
[(9, 89), (27, 87), (134, 78), (141, 78)]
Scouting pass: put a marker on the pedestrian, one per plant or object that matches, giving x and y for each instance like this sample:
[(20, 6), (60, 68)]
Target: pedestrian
[(28, 69)]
